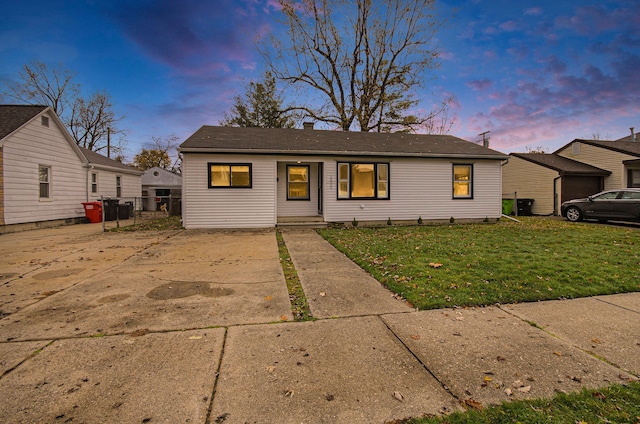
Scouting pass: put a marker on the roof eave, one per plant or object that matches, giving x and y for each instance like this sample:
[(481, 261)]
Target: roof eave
[(341, 153)]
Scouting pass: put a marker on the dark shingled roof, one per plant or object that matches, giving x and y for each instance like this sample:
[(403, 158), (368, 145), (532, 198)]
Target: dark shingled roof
[(563, 165), (98, 159), (212, 139), (627, 146), (13, 117)]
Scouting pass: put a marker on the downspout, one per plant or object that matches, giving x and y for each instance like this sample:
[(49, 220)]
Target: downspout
[(555, 195)]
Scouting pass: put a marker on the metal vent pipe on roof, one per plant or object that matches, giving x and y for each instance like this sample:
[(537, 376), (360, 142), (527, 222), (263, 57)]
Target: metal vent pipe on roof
[(633, 135)]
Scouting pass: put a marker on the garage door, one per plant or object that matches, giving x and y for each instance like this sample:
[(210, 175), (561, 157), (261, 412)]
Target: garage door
[(578, 187)]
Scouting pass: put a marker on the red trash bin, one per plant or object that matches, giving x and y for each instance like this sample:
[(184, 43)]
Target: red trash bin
[(93, 211)]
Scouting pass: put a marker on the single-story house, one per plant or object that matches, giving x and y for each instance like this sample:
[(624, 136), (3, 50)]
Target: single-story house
[(45, 177), (549, 180), (256, 177), (161, 187), (576, 170)]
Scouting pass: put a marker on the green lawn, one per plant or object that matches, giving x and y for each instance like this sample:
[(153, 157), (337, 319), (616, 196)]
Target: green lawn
[(485, 264), (508, 262)]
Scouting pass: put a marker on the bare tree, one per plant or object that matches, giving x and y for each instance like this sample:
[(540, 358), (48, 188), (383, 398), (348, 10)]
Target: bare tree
[(166, 151), (42, 85), (364, 58), (537, 149), (90, 120)]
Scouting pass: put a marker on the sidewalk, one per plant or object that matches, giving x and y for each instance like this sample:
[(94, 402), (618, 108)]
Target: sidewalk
[(192, 326)]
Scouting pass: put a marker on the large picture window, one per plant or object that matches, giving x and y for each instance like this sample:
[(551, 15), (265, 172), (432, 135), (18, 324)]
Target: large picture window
[(44, 177), (229, 175), (462, 181), (363, 180), (633, 179), (298, 182)]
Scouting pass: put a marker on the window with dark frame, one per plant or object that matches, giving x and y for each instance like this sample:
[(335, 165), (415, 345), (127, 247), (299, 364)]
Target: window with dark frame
[(118, 186), (298, 182), (44, 178), (230, 175), (462, 181), (358, 180), (633, 179)]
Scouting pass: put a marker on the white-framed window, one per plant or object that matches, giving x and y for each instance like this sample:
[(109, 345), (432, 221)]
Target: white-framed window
[(298, 182), (462, 181), (44, 178), (118, 186), (357, 180), (94, 182)]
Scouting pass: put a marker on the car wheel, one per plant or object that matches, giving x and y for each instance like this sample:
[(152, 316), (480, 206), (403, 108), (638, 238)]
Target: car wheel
[(574, 214)]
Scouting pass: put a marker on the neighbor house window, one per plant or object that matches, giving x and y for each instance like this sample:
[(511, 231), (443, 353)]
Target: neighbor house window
[(462, 181), (363, 180), (231, 175), (94, 182), (44, 177), (44, 121), (298, 182), (633, 179), (118, 186)]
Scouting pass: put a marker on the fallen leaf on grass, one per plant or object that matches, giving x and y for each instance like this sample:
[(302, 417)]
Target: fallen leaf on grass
[(473, 404), (435, 265), (598, 395)]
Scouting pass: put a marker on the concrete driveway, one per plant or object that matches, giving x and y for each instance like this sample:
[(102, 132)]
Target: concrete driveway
[(194, 326)]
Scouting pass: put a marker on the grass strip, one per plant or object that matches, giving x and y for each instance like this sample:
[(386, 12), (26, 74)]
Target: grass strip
[(299, 305), (613, 404), (485, 264), (158, 224)]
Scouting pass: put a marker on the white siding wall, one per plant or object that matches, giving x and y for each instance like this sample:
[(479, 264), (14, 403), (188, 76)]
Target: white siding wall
[(24, 151), (205, 207), (131, 184), (419, 188), (297, 207), (603, 159), (530, 181)]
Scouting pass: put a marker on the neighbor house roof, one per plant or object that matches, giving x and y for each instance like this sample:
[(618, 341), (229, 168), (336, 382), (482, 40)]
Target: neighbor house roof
[(627, 147), (563, 165), (106, 163), (13, 117), (281, 141)]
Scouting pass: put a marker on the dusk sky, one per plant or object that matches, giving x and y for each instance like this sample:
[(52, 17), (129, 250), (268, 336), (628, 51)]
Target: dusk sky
[(538, 73)]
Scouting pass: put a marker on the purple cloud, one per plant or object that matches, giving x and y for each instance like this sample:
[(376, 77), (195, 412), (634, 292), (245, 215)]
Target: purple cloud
[(482, 84)]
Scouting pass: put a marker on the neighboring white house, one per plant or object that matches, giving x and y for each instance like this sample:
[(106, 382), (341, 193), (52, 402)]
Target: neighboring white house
[(44, 176), (159, 187), (256, 177)]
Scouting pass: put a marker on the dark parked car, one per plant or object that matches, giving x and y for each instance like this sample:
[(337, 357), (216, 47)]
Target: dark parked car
[(615, 205)]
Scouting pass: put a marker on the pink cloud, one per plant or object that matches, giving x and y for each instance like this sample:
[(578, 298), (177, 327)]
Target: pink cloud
[(480, 84)]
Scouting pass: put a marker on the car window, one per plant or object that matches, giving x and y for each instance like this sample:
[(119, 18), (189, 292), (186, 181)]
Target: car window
[(607, 195), (631, 195)]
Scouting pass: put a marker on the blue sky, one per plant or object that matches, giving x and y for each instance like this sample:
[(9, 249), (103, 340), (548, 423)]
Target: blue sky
[(538, 73)]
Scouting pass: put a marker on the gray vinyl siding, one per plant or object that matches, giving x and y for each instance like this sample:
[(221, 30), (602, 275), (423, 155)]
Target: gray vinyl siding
[(530, 181), (289, 208), (604, 159), (205, 207), (419, 188), (24, 151)]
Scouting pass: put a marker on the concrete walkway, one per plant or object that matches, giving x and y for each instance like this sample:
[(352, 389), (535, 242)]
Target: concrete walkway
[(194, 326)]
